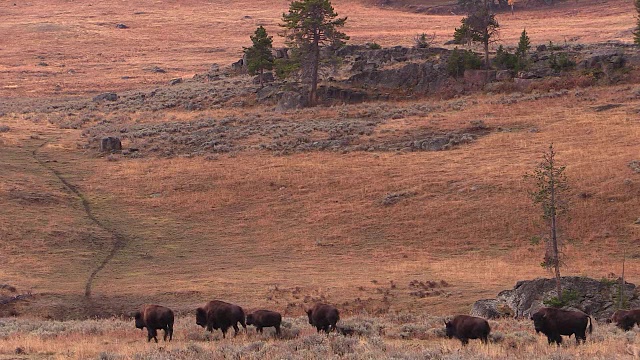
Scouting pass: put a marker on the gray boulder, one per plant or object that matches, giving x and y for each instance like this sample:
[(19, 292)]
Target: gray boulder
[(598, 298), (109, 96), (110, 144)]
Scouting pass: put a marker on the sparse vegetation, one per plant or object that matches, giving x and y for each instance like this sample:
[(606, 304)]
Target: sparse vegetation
[(461, 60), (423, 41)]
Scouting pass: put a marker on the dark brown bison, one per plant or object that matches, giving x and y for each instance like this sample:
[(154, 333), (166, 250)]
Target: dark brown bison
[(465, 327), (221, 315), (265, 318), (626, 319), (555, 322), (155, 317), (323, 317)]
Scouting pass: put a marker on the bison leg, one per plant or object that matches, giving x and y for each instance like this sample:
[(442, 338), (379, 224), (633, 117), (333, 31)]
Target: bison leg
[(259, 329), (464, 341), (224, 332), (235, 327), (277, 329), (152, 334), (319, 328), (484, 339), (554, 338)]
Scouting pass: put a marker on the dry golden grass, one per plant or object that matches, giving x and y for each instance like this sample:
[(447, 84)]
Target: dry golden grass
[(405, 337)]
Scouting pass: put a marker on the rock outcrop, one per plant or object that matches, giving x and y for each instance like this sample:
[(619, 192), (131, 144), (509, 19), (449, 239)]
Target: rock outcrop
[(598, 298)]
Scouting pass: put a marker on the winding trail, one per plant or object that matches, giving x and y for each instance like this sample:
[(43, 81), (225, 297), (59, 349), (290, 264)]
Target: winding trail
[(119, 240)]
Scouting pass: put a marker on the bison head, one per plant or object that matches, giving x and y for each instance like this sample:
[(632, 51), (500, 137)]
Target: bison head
[(539, 320), (309, 312), (139, 321), (450, 330), (201, 317), (250, 319)]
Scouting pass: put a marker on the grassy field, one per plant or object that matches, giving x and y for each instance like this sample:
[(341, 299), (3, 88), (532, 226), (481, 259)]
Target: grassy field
[(263, 229)]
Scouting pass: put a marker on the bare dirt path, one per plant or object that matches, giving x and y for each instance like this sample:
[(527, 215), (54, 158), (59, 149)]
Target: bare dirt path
[(119, 240)]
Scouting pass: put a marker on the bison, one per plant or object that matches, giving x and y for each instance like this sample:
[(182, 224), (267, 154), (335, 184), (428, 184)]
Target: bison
[(155, 317), (555, 322), (323, 317), (265, 318), (465, 327), (626, 319), (220, 315)]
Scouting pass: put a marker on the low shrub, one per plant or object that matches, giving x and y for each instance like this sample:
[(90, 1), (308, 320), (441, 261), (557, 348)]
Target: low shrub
[(461, 60)]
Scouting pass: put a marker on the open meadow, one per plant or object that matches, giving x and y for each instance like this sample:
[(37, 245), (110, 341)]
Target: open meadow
[(92, 236)]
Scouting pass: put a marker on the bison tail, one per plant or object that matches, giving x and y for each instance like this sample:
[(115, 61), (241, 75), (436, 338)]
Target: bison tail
[(590, 325)]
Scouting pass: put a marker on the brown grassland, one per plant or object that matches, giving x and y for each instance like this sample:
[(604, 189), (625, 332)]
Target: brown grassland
[(283, 231)]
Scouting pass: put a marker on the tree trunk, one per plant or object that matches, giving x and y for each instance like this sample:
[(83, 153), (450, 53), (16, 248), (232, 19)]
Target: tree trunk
[(315, 63), (554, 236), (261, 73), (486, 53), (624, 257)]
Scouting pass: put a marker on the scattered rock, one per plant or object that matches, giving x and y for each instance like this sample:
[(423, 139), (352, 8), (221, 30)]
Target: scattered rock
[(155, 69), (635, 166), (491, 309), (393, 198), (4, 128), (266, 78), (175, 81), (106, 97), (479, 77), (605, 107), (504, 75), (121, 26), (110, 144), (291, 100)]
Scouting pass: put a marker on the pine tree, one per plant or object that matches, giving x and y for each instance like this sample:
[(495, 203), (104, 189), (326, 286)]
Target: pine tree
[(523, 48), (479, 26), (309, 26), (524, 44), (550, 189), (259, 56)]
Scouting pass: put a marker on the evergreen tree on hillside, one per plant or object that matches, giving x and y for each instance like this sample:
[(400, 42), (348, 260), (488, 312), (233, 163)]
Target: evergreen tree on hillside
[(550, 193), (259, 55), (524, 44), (309, 26), (479, 26)]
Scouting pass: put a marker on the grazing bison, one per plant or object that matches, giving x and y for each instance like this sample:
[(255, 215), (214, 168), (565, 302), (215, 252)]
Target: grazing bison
[(155, 317), (465, 327), (626, 319), (555, 322), (220, 315), (323, 317), (265, 318)]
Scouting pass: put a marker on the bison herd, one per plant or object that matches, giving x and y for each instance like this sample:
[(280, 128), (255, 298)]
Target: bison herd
[(216, 314)]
